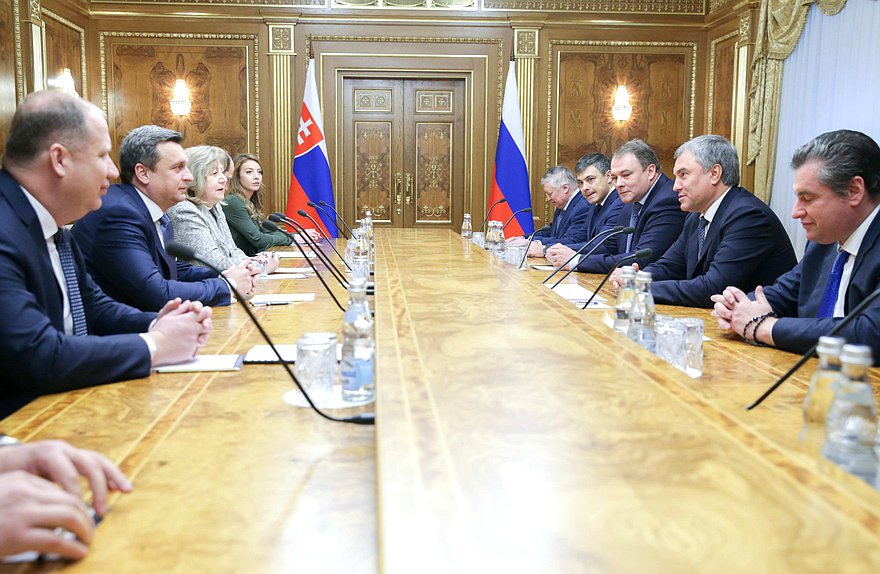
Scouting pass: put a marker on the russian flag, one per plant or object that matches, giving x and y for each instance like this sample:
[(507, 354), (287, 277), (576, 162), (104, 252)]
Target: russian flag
[(310, 180), (511, 177)]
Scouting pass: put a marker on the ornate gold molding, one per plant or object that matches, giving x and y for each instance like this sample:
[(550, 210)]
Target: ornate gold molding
[(718, 4), (19, 59), (688, 7), (82, 47), (102, 50), (247, 3), (34, 11), (525, 42), (745, 29), (712, 46), (281, 39), (283, 123)]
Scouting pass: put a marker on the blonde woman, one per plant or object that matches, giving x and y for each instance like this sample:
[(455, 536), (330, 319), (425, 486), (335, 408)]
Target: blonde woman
[(199, 221)]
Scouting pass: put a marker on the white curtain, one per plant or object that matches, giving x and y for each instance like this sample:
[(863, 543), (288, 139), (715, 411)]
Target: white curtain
[(831, 81)]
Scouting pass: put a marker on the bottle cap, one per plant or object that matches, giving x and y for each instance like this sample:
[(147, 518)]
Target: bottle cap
[(857, 355), (830, 345)]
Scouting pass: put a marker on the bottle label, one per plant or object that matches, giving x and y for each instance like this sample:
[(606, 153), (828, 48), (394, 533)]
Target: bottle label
[(357, 373)]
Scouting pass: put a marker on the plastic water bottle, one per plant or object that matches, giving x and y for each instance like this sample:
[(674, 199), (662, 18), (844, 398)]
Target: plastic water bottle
[(467, 230), (851, 424), (824, 385), (641, 318), (625, 297), (358, 346)]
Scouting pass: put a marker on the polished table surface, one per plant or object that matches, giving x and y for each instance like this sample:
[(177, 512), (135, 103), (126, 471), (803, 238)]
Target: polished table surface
[(514, 431)]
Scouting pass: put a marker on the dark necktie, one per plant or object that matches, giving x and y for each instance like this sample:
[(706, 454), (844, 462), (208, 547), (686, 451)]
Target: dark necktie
[(701, 235), (168, 237), (77, 311), (829, 298), (633, 222)]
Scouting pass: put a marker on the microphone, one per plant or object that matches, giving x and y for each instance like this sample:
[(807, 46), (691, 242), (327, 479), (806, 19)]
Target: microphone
[(608, 233), (272, 226), (312, 204), (843, 323), (279, 217), (488, 213), (330, 207), (640, 254), (183, 252), (515, 213), (529, 244), (337, 275)]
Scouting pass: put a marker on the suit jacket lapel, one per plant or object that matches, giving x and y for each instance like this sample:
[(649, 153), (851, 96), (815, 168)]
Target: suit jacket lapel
[(153, 241), (710, 244)]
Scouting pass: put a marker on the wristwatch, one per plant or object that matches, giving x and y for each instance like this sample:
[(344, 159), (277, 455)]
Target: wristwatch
[(6, 440)]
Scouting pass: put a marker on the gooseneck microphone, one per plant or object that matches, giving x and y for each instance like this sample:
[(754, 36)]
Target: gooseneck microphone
[(304, 213), (330, 207), (272, 226), (183, 252), (279, 217), (843, 323), (322, 257), (605, 235), (529, 244), (332, 219), (488, 213), (640, 254), (515, 213)]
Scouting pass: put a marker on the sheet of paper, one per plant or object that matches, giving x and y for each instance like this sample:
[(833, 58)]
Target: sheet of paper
[(575, 293), (334, 401), (543, 267), (293, 254), (279, 276), (595, 305), (265, 354), (303, 270), (204, 363), (275, 298)]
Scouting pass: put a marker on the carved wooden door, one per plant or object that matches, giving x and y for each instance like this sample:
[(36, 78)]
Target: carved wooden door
[(403, 151)]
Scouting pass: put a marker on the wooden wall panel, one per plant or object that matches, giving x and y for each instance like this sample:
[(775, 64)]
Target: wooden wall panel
[(659, 86), (65, 43), (140, 77), (7, 70), (721, 75)]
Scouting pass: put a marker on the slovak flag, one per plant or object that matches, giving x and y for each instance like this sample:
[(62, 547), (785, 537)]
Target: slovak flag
[(511, 177), (310, 180)]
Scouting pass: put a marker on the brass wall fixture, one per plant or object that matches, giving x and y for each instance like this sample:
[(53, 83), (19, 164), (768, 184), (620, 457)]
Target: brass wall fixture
[(398, 180)]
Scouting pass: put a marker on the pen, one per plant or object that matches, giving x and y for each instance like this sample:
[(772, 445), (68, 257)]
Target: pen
[(265, 303)]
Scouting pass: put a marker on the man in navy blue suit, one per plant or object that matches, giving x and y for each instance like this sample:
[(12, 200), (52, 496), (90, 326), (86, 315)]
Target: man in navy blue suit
[(730, 237), (650, 206), (570, 217), (124, 241), (594, 180), (59, 330), (837, 186)]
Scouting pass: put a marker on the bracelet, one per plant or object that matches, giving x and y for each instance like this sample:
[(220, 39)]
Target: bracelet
[(757, 321)]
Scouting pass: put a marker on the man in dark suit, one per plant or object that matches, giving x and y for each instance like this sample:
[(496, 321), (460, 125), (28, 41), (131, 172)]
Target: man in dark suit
[(59, 330), (730, 237), (650, 206), (124, 241), (837, 185), (594, 180), (570, 217)]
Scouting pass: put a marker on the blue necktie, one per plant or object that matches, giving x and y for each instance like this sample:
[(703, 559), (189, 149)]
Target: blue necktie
[(701, 229), (168, 237), (77, 311), (633, 222), (829, 298)]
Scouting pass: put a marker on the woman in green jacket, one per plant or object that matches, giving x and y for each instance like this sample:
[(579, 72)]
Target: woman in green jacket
[(243, 205)]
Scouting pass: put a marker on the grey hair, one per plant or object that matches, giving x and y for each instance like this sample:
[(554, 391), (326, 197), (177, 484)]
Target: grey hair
[(711, 149), (559, 175), (844, 154), (42, 119), (597, 160), (140, 146), (644, 153), (201, 160)]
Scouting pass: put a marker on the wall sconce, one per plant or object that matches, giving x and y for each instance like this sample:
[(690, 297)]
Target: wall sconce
[(64, 82), (621, 110), (180, 102)]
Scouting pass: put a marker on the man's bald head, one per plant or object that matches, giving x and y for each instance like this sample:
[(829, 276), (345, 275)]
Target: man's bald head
[(45, 118)]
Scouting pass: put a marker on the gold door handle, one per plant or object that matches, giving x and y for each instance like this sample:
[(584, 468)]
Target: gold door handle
[(398, 179), (409, 189)]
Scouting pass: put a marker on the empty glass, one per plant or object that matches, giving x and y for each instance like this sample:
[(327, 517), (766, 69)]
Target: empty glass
[(671, 343), (316, 365), (694, 340)]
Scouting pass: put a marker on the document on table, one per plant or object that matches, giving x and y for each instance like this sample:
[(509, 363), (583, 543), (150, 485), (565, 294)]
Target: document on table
[(293, 254), (543, 267), (575, 293), (303, 270), (204, 363), (279, 276), (265, 354), (281, 298)]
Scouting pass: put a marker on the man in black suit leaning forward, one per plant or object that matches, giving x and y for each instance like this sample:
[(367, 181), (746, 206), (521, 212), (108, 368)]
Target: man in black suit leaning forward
[(730, 237), (59, 330), (837, 185)]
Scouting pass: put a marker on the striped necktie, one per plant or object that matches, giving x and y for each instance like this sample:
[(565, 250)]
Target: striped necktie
[(701, 230), (77, 311)]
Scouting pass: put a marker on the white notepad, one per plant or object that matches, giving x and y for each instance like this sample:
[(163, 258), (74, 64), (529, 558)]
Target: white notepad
[(275, 298), (279, 276), (293, 254), (575, 293), (204, 363)]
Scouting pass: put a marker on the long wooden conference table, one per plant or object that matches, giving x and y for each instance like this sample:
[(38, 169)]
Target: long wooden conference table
[(515, 432)]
